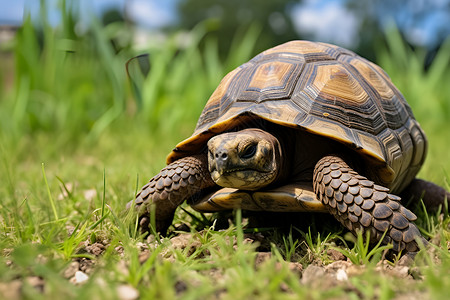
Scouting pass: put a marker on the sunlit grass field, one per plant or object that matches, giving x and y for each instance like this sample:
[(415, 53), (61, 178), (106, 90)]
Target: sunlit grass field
[(77, 141)]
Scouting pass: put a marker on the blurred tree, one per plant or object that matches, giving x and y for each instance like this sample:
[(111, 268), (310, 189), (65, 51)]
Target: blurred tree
[(112, 15), (119, 28), (421, 23), (370, 29), (226, 18)]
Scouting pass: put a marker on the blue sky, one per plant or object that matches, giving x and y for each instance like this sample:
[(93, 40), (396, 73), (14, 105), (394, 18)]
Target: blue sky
[(327, 20), (151, 13)]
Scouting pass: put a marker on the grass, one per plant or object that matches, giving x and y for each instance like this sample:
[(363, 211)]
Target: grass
[(360, 254), (75, 146)]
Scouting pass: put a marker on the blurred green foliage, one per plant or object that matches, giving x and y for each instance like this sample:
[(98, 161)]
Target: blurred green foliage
[(226, 19), (56, 82), (424, 88)]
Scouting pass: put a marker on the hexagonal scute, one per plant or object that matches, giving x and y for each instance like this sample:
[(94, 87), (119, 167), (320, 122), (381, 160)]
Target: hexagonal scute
[(270, 80)]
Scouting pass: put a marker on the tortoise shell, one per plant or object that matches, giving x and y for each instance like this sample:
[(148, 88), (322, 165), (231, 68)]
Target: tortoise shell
[(326, 90)]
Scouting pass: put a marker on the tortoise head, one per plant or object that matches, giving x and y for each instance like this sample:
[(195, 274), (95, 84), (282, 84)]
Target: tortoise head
[(249, 159)]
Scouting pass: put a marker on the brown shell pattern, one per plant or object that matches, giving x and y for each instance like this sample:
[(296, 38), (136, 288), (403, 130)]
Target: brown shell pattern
[(327, 90)]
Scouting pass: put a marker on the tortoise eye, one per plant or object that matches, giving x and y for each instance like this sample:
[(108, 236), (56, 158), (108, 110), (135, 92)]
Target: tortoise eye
[(249, 151)]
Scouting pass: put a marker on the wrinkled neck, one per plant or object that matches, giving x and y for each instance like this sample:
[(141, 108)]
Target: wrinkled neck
[(283, 156)]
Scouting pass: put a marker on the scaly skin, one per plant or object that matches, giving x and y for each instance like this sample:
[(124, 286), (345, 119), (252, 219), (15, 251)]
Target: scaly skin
[(360, 204), (169, 188)]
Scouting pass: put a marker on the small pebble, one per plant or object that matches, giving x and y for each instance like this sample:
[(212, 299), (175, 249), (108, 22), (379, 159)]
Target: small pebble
[(127, 292), (71, 269), (341, 275), (90, 194), (11, 290), (79, 278), (36, 282), (312, 273)]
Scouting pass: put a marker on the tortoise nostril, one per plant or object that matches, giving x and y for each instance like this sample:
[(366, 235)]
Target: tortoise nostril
[(222, 155)]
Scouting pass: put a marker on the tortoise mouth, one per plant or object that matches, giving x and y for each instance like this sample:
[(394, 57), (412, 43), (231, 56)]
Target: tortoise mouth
[(243, 178), (246, 170)]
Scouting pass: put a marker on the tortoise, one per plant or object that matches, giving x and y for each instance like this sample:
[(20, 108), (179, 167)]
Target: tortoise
[(302, 127)]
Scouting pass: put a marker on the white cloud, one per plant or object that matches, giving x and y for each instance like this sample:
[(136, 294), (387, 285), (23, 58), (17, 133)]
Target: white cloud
[(150, 13), (327, 21)]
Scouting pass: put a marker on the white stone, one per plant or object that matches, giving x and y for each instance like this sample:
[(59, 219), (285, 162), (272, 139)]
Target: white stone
[(127, 292), (341, 275), (79, 278)]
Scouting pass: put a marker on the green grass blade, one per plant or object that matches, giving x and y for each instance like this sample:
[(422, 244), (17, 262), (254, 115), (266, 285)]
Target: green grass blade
[(49, 194)]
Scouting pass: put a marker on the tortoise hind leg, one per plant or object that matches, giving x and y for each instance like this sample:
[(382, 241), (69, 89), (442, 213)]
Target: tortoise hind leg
[(359, 204), (168, 189), (432, 195)]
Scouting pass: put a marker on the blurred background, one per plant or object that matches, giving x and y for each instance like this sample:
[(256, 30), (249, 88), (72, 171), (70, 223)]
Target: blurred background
[(350, 23), (64, 85)]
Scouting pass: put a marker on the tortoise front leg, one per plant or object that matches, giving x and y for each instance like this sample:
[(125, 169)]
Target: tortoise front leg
[(169, 188), (360, 204)]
